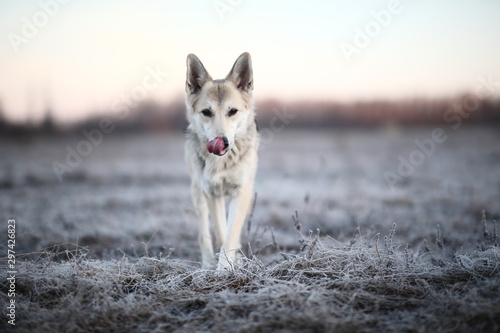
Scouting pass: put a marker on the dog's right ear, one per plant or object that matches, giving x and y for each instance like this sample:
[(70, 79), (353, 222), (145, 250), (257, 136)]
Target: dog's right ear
[(196, 75)]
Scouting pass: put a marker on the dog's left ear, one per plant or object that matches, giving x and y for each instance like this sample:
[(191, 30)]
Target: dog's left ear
[(241, 74)]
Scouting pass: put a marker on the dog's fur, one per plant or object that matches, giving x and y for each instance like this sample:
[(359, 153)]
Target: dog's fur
[(210, 110)]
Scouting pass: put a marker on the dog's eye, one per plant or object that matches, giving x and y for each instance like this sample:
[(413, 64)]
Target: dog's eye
[(232, 112), (207, 113)]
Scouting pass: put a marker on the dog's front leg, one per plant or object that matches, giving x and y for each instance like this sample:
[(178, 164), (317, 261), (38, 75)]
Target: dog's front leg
[(217, 209), (204, 237), (238, 210)]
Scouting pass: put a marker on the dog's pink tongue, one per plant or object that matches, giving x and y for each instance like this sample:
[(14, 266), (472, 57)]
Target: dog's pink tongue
[(216, 146)]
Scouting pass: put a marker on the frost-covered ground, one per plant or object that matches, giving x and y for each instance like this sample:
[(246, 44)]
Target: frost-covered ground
[(131, 190), (125, 215)]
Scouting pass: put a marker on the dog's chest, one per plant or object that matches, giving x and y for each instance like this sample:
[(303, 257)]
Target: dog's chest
[(226, 182)]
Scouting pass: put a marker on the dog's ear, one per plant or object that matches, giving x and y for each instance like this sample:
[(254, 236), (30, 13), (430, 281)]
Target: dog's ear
[(196, 75), (241, 74)]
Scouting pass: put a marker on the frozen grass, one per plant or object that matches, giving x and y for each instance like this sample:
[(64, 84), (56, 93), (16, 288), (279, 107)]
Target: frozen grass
[(120, 251), (367, 285)]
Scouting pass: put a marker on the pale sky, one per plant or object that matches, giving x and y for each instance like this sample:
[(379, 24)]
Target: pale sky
[(86, 54)]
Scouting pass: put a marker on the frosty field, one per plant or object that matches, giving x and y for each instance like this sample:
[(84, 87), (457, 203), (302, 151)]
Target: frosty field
[(331, 246)]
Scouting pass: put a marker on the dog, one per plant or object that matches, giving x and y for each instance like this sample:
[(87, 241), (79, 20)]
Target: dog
[(221, 152)]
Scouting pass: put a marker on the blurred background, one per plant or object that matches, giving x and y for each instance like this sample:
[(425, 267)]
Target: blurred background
[(74, 59), (92, 113)]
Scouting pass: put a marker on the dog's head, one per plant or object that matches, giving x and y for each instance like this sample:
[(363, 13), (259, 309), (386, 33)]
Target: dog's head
[(219, 110)]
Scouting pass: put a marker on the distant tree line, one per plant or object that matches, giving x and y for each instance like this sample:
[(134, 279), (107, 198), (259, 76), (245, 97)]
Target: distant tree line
[(150, 116)]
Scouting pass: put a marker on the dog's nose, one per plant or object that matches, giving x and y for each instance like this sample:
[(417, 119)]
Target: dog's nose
[(226, 142)]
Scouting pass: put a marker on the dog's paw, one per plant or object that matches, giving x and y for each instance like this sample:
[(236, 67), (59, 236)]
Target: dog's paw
[(224, 265), (226, 260)]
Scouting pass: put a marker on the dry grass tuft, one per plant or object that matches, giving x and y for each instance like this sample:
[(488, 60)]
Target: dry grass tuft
[(323, 285)]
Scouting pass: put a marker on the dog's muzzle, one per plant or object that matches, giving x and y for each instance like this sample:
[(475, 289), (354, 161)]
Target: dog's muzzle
[(218, 146)]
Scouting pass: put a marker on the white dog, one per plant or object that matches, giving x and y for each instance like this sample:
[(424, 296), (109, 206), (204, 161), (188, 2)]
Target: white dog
[(221, 151)]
